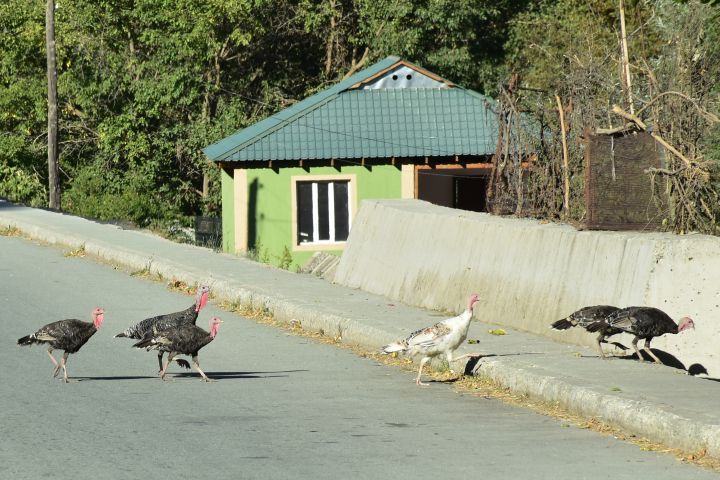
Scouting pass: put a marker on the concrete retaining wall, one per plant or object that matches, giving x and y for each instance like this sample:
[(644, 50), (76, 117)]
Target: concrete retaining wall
[(530, 274)]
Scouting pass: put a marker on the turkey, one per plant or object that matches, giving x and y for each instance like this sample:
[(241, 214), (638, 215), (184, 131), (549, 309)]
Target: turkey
[(186, 339), (68, 335), (442, 338), (587, 316), (162, 322), (643, 322)]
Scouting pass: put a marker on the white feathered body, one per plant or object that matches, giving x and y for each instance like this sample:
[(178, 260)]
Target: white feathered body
[(442, 338)]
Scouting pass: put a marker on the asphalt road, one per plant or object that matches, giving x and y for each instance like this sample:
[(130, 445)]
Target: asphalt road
[(281, 407)]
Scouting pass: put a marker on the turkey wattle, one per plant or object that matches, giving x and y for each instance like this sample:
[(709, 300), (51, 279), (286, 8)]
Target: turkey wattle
[(644, 322), (186, 339), (170, 320), (442, 338), (587, 316), (67, 335)]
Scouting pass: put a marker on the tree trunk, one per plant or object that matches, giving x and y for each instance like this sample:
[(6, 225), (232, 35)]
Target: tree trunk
[(330, 41), (566, 166), (53, 170), (625, 61)]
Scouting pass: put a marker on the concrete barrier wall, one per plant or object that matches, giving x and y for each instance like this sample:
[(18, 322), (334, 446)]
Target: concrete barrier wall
[(530, 274)]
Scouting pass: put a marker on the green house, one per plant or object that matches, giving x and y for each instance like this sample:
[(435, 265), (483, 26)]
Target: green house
[(293, 181)]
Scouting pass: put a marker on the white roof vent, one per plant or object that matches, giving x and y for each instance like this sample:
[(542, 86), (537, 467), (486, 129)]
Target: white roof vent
[(403, 77)]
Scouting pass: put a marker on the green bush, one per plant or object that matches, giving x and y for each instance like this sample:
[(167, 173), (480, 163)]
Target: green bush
[(104, 196)]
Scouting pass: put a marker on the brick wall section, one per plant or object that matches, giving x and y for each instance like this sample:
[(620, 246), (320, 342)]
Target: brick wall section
[(623, 199)]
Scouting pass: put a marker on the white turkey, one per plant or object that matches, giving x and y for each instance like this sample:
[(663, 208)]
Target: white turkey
[(67, 335), (443, 338), (643, 322)]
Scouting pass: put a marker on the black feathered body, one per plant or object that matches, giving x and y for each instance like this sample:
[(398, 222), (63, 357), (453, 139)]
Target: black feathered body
[(161, 322), (68, 335), (643, 322), (186, 339)]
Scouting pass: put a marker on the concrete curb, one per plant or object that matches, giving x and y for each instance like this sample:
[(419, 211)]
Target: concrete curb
[(640, 418), (636, 417)]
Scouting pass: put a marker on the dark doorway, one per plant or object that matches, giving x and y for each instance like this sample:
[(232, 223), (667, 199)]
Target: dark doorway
[(470, 193), (463, 188)]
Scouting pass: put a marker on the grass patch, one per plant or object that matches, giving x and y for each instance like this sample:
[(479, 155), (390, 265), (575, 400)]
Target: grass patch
[(10, 231), (78, 252)]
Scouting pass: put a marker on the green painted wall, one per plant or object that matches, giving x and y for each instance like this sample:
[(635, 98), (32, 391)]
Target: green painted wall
[(228, 212), (270, 205)]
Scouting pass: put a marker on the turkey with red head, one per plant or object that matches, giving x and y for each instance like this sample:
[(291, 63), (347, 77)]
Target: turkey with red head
[(643, 322), (170, 320), (67, 335), (186, 339), (443, 338), (587, 316)]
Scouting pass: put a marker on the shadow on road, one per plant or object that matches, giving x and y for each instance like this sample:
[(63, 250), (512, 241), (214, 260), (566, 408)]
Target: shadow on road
[(125, 377), (239, 375), (212, 375)]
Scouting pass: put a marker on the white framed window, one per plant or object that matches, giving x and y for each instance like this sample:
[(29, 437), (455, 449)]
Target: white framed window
[(322, 210)]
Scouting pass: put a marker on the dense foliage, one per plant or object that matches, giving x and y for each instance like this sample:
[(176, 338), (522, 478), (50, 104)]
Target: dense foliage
[(144, 84)]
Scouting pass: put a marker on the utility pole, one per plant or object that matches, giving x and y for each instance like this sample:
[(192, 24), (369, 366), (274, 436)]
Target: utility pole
[(53, 170)]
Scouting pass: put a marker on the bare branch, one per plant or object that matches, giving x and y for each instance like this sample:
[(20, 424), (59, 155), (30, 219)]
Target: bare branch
[(710, 117)]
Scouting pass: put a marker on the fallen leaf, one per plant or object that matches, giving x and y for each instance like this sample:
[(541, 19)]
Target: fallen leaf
[(497, 331)]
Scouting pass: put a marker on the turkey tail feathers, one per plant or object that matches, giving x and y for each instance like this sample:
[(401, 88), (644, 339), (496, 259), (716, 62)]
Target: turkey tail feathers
[(563, 324), (27, 340), (182, 363), (394, 347)]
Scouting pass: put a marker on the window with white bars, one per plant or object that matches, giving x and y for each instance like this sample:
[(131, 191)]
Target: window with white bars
[(323, 211)]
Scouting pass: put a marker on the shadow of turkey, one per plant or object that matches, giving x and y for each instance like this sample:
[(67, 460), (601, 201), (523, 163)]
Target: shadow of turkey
[(239, 375), (667, 359)]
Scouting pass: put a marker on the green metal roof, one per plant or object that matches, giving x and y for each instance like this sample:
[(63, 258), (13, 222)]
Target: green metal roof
[(340, 122)]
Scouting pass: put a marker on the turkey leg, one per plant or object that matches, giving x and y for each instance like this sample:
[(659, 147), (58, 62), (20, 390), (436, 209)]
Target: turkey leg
[(160, 355), (164, 370), (601, 339), (646, 347), (451, 359), (634, 344), (196, 363), (422, 364), (63, 361), (52, 359)]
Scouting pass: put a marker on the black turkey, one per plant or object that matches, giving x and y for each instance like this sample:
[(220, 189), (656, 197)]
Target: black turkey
[(186, 339), (643, 322), (590, 316), (67, 335), (163, 322)]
